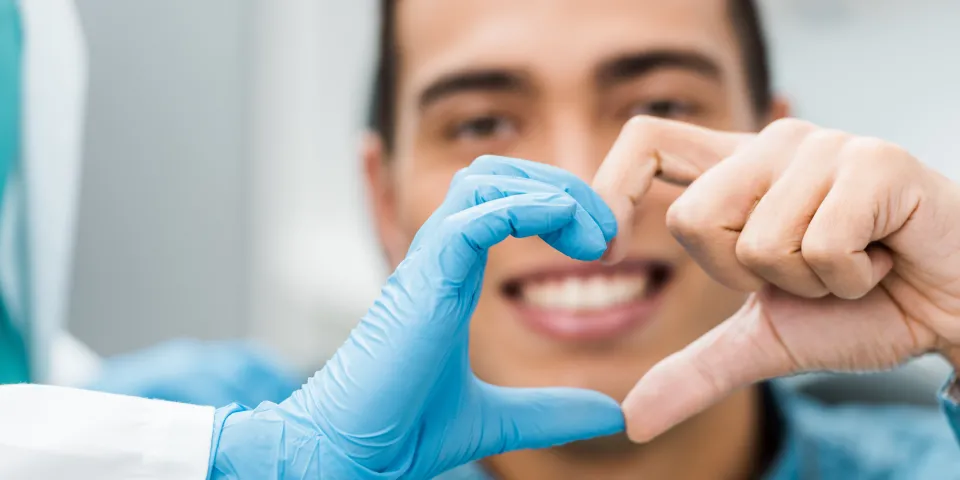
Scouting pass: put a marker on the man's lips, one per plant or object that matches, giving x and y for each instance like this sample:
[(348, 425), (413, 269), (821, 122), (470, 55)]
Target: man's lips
[(588, 301)]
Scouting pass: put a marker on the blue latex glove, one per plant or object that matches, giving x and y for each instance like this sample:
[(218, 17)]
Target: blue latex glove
[(399, 399), (201, 373)]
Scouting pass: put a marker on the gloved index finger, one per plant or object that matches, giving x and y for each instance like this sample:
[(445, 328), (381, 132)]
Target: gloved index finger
[(649, 148), (490, 166), (580, 190)]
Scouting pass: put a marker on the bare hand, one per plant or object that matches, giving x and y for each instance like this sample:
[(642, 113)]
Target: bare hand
[(849, 246)]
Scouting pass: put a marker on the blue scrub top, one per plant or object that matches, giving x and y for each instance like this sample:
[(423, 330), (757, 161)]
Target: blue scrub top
[(850, 441)]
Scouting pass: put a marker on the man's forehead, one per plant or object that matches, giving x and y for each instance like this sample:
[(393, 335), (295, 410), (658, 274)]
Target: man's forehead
[(436, 37)]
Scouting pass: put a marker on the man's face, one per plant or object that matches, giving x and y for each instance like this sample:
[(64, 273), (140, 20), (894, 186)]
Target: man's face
[(554, 81)]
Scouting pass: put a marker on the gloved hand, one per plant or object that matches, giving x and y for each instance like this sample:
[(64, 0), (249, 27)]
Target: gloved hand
[(201, 373), (399, 399)]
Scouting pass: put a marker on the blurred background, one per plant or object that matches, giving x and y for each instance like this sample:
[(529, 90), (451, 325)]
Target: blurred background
[(221, 193)]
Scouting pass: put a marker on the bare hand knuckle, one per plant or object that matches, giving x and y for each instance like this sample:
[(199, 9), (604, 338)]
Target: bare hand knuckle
[(866, 153), (686, 220), (820, 251), (789, 127), (760, 250), (825, 139), (643, 126)]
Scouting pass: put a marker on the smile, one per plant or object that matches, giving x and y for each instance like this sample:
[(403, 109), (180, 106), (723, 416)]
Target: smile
[(588, 301)]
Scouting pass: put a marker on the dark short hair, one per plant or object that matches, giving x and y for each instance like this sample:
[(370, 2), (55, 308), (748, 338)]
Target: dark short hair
[(743, 13)]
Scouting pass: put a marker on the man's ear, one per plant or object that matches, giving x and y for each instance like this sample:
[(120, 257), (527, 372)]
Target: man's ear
[(382, 197)]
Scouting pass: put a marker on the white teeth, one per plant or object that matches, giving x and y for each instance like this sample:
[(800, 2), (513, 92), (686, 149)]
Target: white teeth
[(571, 294), (592, 293)]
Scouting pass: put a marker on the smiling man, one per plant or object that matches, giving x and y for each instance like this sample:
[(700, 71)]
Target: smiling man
[(642, 240), (555, 82)]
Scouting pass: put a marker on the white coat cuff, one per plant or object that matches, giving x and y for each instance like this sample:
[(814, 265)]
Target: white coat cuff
[(54, 432)]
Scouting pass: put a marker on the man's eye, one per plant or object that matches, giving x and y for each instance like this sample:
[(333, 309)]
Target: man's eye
[(480, 128), (664, 109)]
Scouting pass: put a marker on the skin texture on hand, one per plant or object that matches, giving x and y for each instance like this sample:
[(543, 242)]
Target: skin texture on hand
[(849, 246)]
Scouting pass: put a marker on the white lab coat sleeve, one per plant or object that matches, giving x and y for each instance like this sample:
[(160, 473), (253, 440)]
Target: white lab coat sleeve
[(49, 432)]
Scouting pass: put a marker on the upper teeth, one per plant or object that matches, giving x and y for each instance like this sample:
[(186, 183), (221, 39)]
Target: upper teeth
[(591, 293)]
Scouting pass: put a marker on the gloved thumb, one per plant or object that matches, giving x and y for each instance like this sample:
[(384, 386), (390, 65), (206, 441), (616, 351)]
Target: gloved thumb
[(534, 418)]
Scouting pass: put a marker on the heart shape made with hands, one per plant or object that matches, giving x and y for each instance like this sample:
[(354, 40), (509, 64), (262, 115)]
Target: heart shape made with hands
[(848, 246)]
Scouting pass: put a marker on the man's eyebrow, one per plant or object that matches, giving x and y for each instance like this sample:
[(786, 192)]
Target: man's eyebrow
[(471, 81), (631, 66)]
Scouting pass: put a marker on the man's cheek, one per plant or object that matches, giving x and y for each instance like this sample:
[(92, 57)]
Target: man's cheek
[(416, 208), (422, 194)]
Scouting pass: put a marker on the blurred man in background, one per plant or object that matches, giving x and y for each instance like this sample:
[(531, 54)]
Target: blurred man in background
[(555, 82), (797, 249)]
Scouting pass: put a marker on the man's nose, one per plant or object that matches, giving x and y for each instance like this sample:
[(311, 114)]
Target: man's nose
[(578, 149)]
